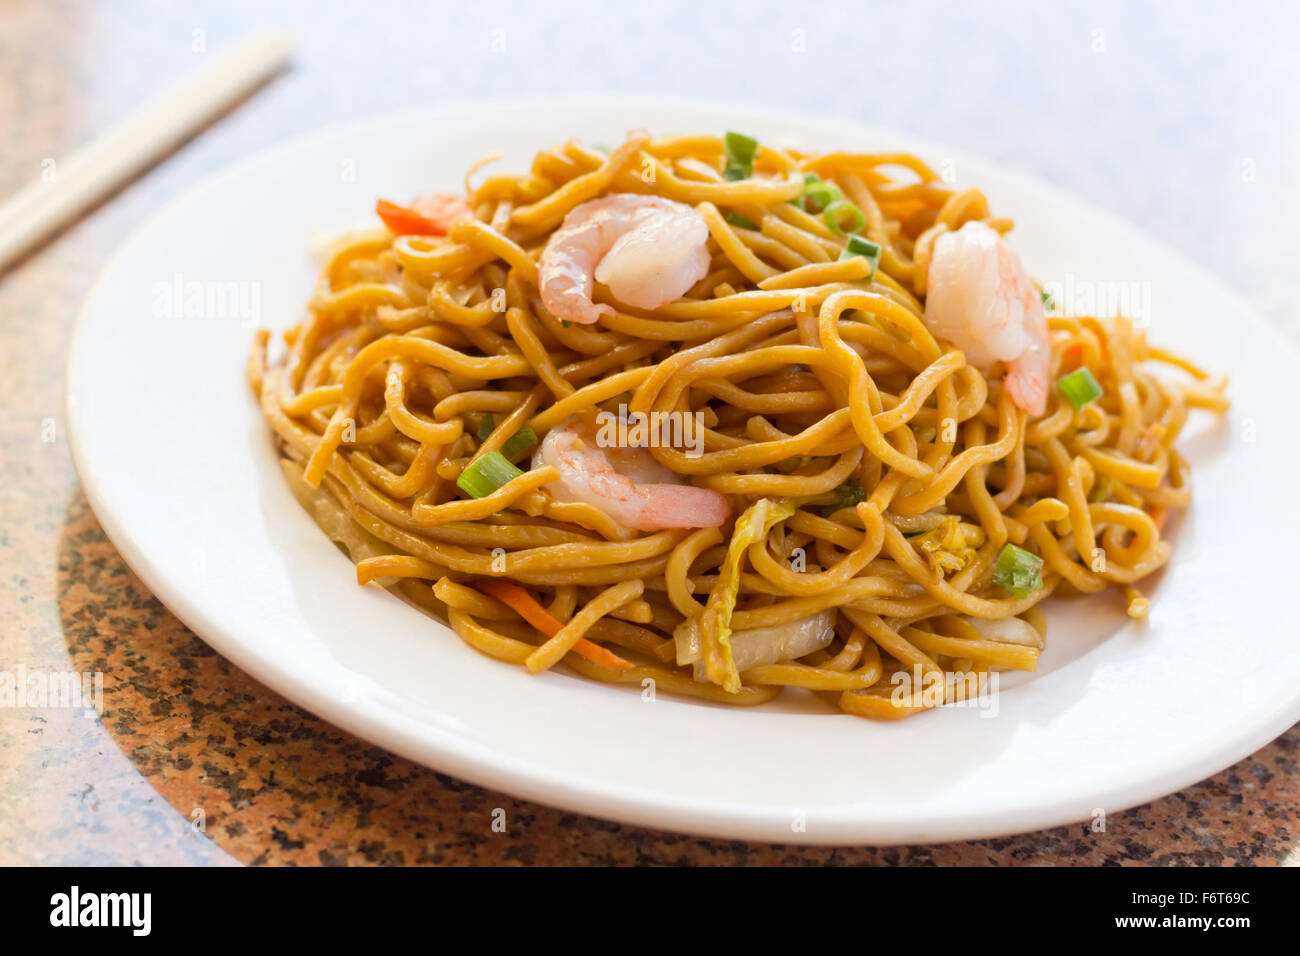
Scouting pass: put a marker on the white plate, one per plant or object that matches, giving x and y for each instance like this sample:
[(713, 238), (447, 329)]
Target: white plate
[(179, 467)]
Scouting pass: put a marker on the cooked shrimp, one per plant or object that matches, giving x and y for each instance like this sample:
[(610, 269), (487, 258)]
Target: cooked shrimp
[(625, 483), (646, 249), (982, 301)]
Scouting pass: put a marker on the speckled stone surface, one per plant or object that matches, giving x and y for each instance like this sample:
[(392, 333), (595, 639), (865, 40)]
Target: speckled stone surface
[(192, 760)]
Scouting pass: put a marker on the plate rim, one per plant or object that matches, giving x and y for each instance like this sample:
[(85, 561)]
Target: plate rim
[(641, 806)]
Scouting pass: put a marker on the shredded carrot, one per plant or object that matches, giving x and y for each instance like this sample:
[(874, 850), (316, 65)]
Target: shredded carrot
[(526, 606), (1159, 514), (1071, 358)]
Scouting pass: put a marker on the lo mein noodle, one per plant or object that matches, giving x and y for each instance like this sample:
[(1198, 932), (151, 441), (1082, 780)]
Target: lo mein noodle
[(729, 418)]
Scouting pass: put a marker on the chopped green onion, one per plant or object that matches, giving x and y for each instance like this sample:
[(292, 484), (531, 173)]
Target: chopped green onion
[(486, 474), (565, 323), (1018, 572), (846, 496), (1046, 297), (739, 151), (520, 440), (839, 207), (739, 221), (817, 194), (523, 439), (859, 246), (739, 148), (1079, 387)]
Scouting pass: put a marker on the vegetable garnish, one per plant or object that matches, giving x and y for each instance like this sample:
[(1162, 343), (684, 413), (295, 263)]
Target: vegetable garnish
[(1018, 572), (1072, 357), (405, 221), (715, 622), (846, 496), (1047, 298), (739, 221), (837, 210), (817, 194), (519, 441), (523, 604), (858, 246), (1079, 387), (523, 439), (950, 546), (739, 151), (486, 474), (1159, 514)]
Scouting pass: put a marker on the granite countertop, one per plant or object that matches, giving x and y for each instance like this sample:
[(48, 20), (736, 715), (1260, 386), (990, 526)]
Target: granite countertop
[(193, 761)]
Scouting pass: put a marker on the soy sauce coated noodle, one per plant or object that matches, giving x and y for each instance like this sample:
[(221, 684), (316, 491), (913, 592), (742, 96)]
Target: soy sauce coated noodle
[(875, 477)]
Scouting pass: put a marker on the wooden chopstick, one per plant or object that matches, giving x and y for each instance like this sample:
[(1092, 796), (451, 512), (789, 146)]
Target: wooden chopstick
[(137, 142)]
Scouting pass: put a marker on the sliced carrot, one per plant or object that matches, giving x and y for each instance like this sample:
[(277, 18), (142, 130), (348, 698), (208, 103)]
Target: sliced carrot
[(442, 209), (526, 606), (405, 221)]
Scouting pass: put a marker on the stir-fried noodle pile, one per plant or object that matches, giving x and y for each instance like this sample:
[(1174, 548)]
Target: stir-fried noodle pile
[(792, 422)]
